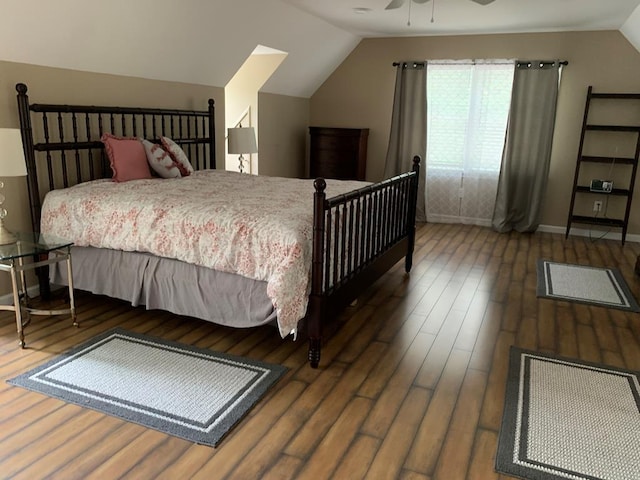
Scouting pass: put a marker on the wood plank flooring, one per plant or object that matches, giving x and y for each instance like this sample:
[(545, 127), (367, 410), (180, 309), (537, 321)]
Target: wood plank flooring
[(410, 387)]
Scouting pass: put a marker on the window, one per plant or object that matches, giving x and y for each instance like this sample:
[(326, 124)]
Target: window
[(467, 110)]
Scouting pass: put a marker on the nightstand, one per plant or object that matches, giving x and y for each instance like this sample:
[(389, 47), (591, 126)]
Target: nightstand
[(12, 260)]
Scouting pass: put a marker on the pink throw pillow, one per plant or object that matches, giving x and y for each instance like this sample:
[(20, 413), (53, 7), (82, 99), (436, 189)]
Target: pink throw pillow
[(180, 158), (160, 160), (127, 157)]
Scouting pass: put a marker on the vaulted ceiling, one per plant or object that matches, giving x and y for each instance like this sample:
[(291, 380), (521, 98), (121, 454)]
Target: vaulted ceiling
[(370, 18), (206, 41)]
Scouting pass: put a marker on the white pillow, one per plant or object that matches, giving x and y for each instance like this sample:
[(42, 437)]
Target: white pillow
[(160, 160), (180, 158)]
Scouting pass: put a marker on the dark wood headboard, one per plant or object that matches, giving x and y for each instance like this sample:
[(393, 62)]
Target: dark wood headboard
[(62, 142)]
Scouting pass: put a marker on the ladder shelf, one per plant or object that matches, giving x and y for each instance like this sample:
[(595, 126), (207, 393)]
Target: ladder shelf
[(629, 162)]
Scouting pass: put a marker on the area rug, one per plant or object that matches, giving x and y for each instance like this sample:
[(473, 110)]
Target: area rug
[(188, 392), (567, 419), (604, 287)]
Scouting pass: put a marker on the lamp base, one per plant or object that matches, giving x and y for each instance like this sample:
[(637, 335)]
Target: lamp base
[(6, 237), (241, 164)]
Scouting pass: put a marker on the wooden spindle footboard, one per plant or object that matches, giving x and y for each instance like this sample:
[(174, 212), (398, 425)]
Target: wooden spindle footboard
[(357, 237)]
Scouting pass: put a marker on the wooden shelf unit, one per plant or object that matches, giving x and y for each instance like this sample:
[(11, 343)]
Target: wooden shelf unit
[(615, 162)]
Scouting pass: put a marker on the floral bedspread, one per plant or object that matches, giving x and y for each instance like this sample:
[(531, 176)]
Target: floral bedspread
[(255, 226)]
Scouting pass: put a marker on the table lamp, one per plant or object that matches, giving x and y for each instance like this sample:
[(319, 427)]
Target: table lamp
[(242, 140), (12, 164)]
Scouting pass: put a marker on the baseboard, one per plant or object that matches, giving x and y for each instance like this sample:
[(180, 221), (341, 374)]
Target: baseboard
[(579, 232), (591, 233), (7, 299)]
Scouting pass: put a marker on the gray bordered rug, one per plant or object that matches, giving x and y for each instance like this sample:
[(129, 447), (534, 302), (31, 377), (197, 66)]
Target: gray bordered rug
[(604, 287), (188, 392), (568, 419)]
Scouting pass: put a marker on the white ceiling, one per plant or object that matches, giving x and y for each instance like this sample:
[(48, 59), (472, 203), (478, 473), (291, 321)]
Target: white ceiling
[(368, 18), (206, 41), (193, 41)]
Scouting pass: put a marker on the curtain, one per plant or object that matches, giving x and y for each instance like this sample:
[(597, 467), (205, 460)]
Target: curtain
[(466, 123), (408, 135), (527, 150)]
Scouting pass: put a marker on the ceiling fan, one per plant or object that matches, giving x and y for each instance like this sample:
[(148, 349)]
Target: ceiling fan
[(398, 3)]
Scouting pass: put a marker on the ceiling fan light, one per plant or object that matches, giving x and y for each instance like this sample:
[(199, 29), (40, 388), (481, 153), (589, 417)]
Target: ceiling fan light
[(483, 2), (393, 4)]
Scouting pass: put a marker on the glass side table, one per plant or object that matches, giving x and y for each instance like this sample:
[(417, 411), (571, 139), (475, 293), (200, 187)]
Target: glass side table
[(12, 260)]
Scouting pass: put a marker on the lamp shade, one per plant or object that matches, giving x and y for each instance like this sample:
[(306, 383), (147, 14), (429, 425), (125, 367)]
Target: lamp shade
[(242, 140), (12, 163)]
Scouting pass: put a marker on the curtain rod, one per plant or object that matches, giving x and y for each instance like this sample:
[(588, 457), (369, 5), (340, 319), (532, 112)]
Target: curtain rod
[(549, 62), (415, 64)]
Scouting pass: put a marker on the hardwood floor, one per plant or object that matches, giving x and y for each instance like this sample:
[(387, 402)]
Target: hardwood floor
[(411, 386)]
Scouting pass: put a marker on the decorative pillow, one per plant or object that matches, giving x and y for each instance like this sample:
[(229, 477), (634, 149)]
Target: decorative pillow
[(180, 158), (127, 157), (160, 160)]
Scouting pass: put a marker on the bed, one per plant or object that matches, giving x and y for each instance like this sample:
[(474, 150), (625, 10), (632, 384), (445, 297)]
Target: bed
[(339, 237)]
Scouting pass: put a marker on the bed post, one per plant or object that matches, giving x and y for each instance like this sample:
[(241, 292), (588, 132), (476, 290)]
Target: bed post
[(212, 134), (411, 215), (27, 145), (26, 132), (316, 299)]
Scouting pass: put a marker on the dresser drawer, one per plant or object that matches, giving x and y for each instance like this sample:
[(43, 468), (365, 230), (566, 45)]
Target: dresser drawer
[(339, 153)]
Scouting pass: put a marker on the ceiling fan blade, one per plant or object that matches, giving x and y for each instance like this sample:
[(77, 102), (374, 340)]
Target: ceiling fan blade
[(424, 1), (393, 4), (483, 2)]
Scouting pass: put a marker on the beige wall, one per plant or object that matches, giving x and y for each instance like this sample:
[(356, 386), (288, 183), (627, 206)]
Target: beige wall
[(241, 93), (282, 123), (55, 85), (360, 92)]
